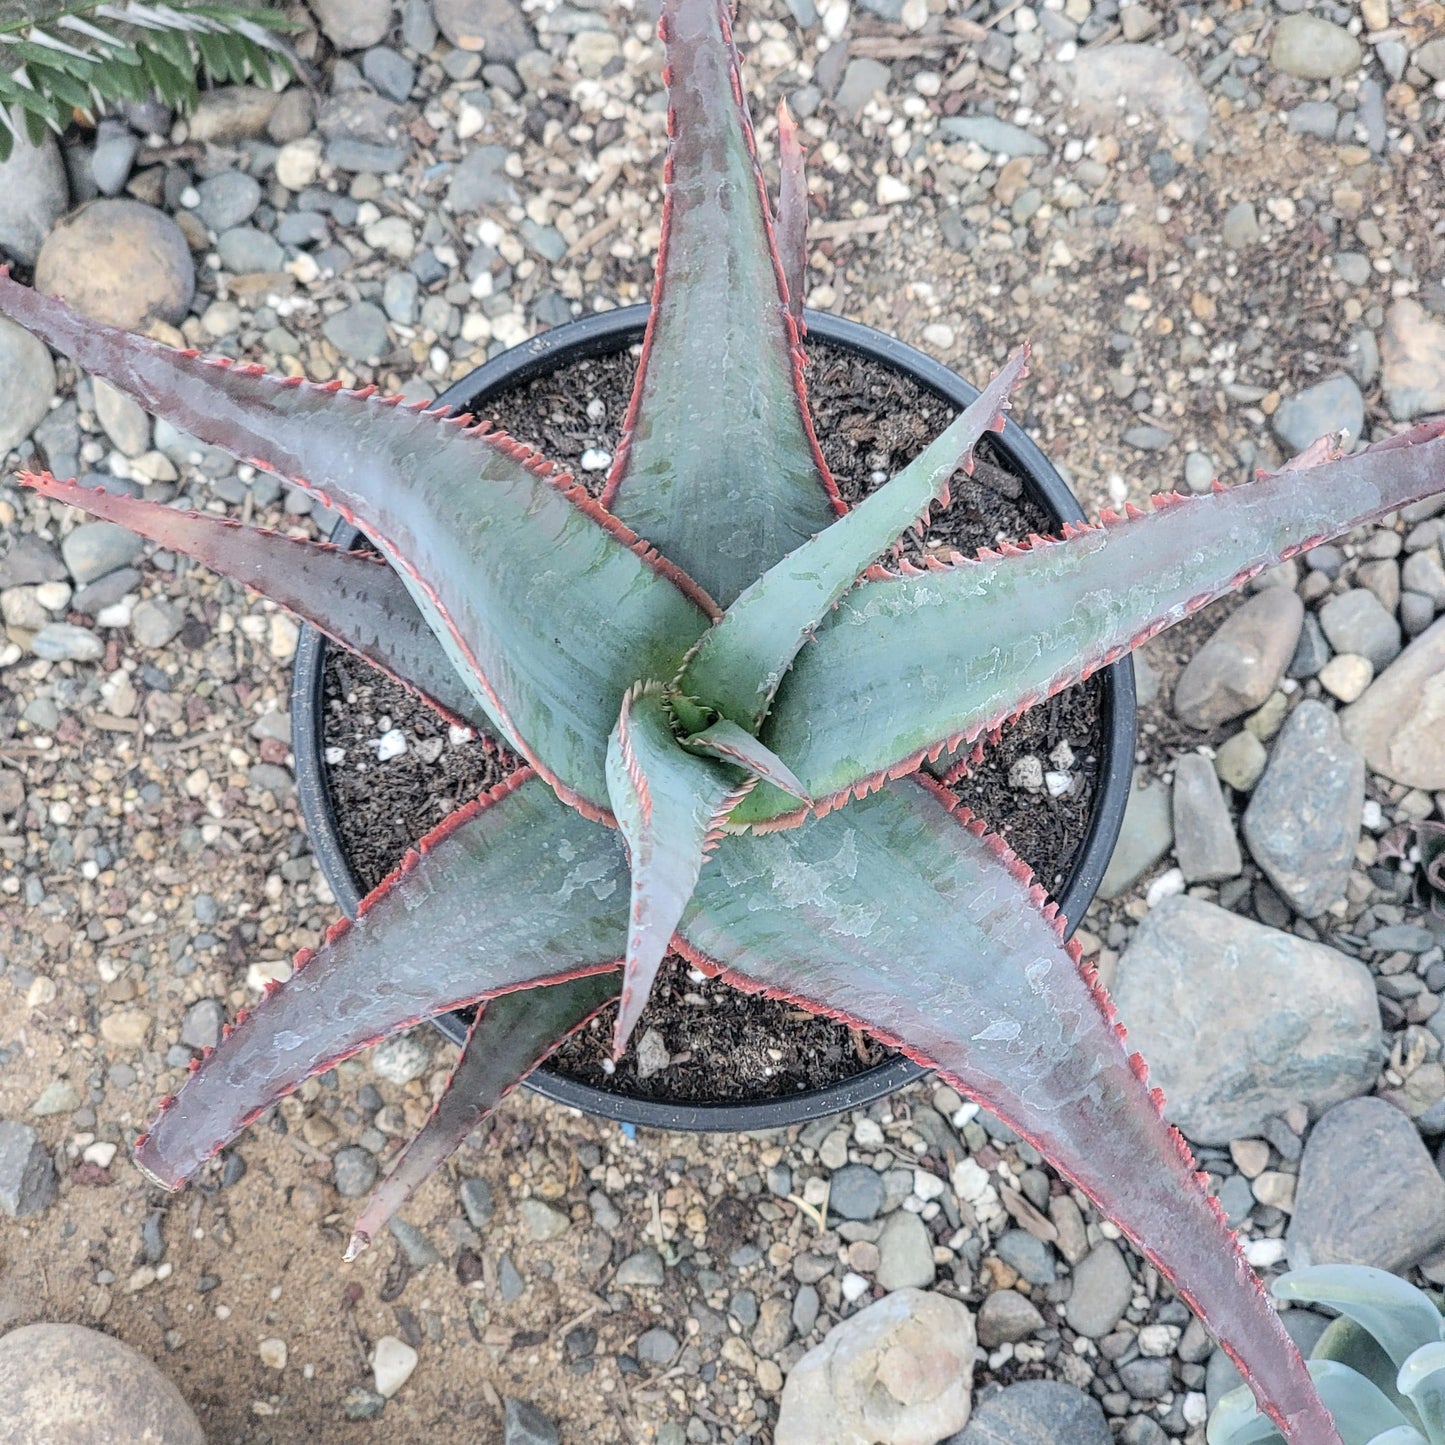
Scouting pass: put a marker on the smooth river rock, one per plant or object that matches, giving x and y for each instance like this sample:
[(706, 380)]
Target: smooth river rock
[(1238, 1021), (1368, 1192), (897, 1373), (1151, 81), (1037, 1412), (27, 382), (65, 1383), (1303, 819), (1242, 662), (36, 194), (119, 262), (1412, 361), (1399, 724)]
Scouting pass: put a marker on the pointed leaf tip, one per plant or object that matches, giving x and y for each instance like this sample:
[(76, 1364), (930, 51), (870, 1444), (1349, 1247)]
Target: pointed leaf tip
[(791, 228), (668, 803)]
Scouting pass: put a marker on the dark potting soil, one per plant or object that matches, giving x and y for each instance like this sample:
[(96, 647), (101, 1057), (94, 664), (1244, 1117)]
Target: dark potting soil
[(722, 1045)]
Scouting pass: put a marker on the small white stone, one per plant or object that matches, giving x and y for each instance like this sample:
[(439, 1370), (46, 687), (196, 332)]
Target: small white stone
[(854, 1287), (285, 634), (892, 191), (273, 1353), (335, 757), (100, 1154), (53, 596), (1372, 815), (269, 970), (392, 1364), (927, 1185), (390, 745), (1347, 676), (1166, 885), (868, 1133), (594, 459), (1264, 1253), (458, 735), (1196, 1407), (1157, 1341), (939, 335), (1058, 783), (298, 162)]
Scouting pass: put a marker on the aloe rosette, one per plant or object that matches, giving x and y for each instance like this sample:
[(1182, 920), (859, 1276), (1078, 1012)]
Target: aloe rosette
[(727, 758), (1379, 1365)]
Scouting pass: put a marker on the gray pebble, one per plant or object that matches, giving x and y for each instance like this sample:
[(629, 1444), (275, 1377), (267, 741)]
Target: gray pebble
[(27, 1174), (246, 251), (480, 181), (389, 72), (417, 1248), (656, 1347), (642, 1268), (524, 1424), (1031, 1257), (64, 642), (354, 1172), (1204, 839), (155, 622), (542, 1221), (509, 1281), (1147, 1378), (1333, 405), (1102, 1290), (201, 1027), (113, 157), (228, 199), (1035, 1412), (805, 1309), (1355, 621), (358, 332), (905, 1253), (1352, 268), (856, 1192), (476, 1198)]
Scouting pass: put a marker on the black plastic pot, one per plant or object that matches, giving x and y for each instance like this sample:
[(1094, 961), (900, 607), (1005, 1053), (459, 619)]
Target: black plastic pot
[(608, 333)]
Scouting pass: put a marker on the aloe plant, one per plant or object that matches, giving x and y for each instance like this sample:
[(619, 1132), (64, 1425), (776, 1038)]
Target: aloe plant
[(1380, 1366), (724, 702)]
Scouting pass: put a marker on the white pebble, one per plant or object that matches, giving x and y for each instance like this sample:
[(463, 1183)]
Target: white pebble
[(335, 757), (868, 1133), (273, 1353), (99, 1154), (892, 191), (390, 745), (854, 1287), (939, 335), (926, 1185), (1058, 783), (1263, 1253), (1372, 815), (1166, 885), (392, 1364), (594, 459), (456, 735)]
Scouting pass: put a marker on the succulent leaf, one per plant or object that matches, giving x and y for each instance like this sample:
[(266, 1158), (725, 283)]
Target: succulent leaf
[(1352, 1344), (726, 740), (509, 1037), (932, 936), (500, 554), (1360, 1411), (718, 466), (510, 892), (908, 665), (355, 598), (1400, 1435), (791, 226), (1236, 1420), (1422, 1382), (743, 657), (1396, 1314), (669, 804)]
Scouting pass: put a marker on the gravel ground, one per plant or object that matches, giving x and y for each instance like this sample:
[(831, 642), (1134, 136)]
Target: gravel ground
[(1186, 265)]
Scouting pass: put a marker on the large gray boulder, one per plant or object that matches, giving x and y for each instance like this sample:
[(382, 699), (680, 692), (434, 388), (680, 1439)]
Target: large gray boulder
[(1238, 1021)]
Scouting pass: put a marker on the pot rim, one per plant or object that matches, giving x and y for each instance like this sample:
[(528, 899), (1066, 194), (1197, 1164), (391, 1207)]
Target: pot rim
[(607, 332)]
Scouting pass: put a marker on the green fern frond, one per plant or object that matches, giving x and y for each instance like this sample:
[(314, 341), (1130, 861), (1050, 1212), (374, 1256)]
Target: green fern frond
[(58, 58)]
